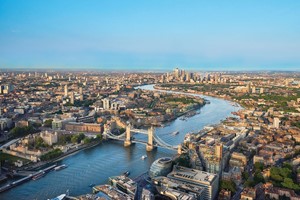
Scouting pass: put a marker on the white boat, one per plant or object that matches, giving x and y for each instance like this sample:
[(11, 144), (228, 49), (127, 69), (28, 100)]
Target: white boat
[(60, 167), (175, 133), (143, 157), (60, 197)]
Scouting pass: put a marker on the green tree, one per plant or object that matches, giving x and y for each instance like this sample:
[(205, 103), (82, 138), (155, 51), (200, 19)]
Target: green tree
[(48, 123), (258, 178), (39, 143), (51, 154), (245, 175), (288, 183), (99, 137), (22, 131), (259, 166), (74, 139), (86, 140), (228, 185)]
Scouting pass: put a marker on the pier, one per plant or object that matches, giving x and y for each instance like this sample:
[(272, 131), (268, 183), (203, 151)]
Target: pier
[(25, 179)]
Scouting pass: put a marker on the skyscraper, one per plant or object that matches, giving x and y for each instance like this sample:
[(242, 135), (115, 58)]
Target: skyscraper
[(72, 98), (66, 90), (219, 151)]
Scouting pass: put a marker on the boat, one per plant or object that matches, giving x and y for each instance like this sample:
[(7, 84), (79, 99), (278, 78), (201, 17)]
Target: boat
[(126, 173), (38, 176), (60, 197), (143, 157), (60, 167), (175, 133)]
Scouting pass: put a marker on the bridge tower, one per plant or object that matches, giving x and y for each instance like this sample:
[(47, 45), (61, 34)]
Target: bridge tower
[(179, 150), (127, 141), (150, 146)]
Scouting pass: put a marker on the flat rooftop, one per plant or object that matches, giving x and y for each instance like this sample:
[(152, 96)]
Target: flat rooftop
[(192, 175)]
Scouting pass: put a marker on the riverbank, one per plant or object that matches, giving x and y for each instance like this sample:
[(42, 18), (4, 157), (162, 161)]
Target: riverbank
[(41, 164), (95, 165), (192, 92)]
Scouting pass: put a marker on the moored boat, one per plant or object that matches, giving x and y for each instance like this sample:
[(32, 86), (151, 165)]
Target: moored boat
[(38, 176), (60, 167), (60, 197)]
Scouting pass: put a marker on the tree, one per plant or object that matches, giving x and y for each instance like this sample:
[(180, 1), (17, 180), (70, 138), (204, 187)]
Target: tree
[(228, 185), (39, 143), (258, 178), (287, 165), (249, 183), (87, 140), (64, 139), (51, 154), (99, 137), (259, 166), (22, 131), (74, 139), (77, 138), (288, 183), (48, 123), (245, 175)]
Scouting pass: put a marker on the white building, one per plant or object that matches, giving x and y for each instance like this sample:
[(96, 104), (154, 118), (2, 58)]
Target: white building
[(106, 104), (49, 137), (209, 181), (5, 123), (276, 122)]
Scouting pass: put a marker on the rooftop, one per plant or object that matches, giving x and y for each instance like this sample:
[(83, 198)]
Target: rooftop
[(192, 174)]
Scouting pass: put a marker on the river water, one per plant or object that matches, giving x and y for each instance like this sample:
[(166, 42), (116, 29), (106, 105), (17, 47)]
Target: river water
[(95, 165)]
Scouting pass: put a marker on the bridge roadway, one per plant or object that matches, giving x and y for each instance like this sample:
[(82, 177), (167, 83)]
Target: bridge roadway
[(159, 142)]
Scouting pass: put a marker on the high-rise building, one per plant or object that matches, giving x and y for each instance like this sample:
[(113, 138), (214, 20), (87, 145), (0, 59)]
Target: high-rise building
[(72, 98), (219, 151), (106, 104), (66, 90), (6, 89), (253, 90), (80, 94), (261, 90), (176, 72)]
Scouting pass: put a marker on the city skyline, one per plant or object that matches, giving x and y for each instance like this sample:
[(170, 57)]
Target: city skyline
[(157, 35)]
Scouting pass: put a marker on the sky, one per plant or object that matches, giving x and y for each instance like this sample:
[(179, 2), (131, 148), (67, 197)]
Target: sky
[(150, 34)]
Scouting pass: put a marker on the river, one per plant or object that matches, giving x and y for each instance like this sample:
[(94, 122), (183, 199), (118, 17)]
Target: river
[(95, 165)]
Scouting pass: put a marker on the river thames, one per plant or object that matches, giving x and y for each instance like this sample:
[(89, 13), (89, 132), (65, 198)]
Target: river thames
[(95, 165)]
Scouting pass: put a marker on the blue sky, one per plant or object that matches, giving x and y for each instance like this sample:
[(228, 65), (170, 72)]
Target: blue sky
[(156, 34)]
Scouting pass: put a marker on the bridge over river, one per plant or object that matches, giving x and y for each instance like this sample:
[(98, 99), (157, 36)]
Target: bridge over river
[(152, 142)]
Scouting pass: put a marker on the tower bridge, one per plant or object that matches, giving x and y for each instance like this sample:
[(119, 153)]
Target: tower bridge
[(152, 142)]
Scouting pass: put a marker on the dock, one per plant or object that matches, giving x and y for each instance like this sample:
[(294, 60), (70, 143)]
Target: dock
[(25, 179)]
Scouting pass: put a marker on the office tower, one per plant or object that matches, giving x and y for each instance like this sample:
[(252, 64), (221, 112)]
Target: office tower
[(219, 151), (177, 72), (253, 90), (72, 98), (66, 90), (106, 104)]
